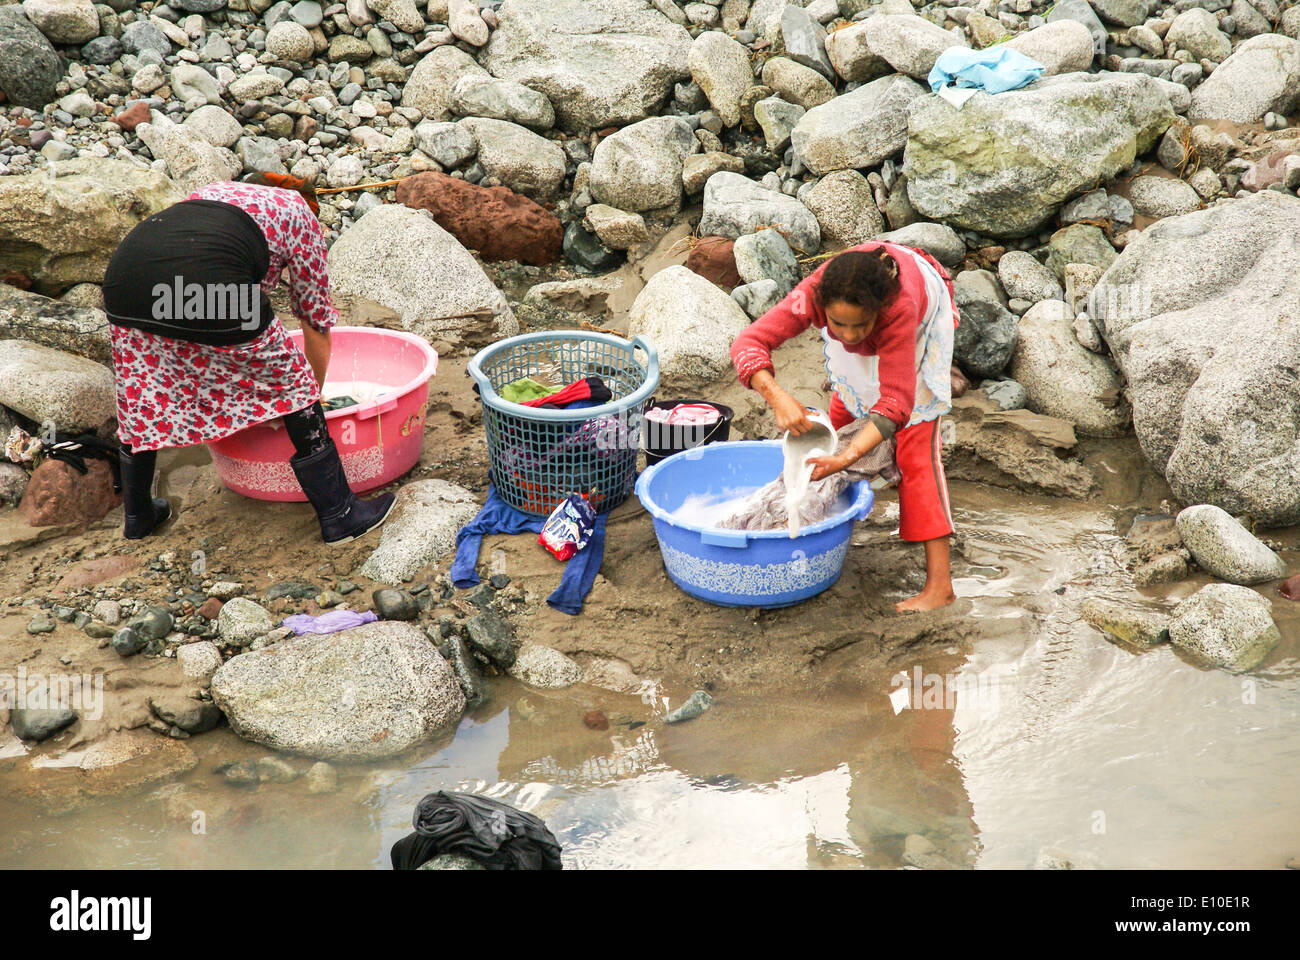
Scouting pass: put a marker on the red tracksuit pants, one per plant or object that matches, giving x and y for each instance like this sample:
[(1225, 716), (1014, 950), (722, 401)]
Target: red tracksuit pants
[(924, 510)]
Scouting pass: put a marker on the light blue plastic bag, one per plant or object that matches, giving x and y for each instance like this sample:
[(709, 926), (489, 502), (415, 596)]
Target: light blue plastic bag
[(993, 70)]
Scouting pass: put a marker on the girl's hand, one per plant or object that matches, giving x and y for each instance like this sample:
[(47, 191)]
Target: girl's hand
[(790, 414), (823, 467)]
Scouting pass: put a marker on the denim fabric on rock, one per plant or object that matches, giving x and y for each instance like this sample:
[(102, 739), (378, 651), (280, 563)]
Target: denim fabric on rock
[(497, 516)]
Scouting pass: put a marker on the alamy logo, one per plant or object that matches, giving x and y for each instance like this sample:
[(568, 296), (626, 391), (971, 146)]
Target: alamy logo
[(75, 913), (207, 301), (82, 692)]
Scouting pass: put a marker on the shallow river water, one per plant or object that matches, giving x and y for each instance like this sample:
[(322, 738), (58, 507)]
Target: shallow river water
[(1044, 736)]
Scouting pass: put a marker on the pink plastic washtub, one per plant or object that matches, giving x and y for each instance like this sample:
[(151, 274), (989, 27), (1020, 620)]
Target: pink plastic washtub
[(379, 439)]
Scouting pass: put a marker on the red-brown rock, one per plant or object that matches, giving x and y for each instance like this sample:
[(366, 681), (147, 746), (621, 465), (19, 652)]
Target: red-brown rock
[(89, 573), (210, 608), (1262, 174), (714, 258), (1290, 588), (497, 222), (595, 720), (133, 116), (305, 128), (57, 493)]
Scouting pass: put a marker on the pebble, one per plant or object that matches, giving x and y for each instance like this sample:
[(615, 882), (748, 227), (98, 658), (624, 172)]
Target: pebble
[(321, 778), (393, 604), (696, 704)]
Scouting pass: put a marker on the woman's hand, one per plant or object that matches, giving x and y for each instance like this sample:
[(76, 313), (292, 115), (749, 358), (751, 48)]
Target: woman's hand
[(316, 346), (823, 467)]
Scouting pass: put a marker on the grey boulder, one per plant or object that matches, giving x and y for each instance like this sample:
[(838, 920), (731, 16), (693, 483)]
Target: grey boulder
[(1225, 625), (640, 167), (600, 62), (1199, 313), (1225, 548), (1262, 76), (367, 693), (30, 68), (1003, 164), (735, 205), (49, 385), (858, 129), (1062, 378), (437, 289)]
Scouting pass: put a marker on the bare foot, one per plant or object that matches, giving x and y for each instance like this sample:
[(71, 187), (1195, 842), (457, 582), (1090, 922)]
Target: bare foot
[(928, 599)]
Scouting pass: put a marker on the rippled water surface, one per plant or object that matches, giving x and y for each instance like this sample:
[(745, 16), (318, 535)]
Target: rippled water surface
[(1043, 735)]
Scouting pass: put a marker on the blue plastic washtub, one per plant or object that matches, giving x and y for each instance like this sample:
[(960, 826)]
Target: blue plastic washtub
[(743, 568)]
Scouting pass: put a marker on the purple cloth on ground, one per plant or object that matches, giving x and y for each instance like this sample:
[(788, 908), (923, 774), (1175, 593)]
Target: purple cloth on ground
[(331, 622)]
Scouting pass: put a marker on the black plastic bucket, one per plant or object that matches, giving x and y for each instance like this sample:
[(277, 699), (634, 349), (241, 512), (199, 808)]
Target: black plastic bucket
[(661, 440)]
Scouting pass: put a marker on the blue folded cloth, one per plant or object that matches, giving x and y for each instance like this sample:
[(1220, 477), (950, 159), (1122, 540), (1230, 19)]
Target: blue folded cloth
[(994, 69), (497, 516)]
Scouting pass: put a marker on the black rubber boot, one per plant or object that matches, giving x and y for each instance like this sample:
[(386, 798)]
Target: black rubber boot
[(144, 512), (343, 516)]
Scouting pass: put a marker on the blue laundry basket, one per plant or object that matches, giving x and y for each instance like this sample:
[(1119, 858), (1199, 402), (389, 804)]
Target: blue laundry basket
[(539, 457), (744, 568)]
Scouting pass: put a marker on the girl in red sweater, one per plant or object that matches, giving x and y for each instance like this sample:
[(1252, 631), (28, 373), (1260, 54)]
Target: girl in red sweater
[(886, 314)]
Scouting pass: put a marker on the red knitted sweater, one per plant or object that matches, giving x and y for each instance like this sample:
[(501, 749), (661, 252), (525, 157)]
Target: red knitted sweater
[(893, 338)]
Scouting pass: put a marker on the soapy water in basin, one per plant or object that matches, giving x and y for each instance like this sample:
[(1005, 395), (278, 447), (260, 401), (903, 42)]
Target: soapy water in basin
[(710, 509), (362, 391)]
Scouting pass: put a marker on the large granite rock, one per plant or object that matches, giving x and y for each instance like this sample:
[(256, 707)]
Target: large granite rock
[(690, 321), (1200, 312), (422, 527), (640, 167), (721, 67), (1062, 378), (192, 160), (909, 44), (46, 384), (1061, 47), (362, 694), (30, 68), (487, 96), (64, 21), (600, 62), (436, 288), (857, 129), (735, 205), (54, 323), (844, 207), (938, 241), (519, 158), (851, 55), (1262, 75), (1225, 625), (1003, 164), (431, 84), (1225, 548), (62, 231)]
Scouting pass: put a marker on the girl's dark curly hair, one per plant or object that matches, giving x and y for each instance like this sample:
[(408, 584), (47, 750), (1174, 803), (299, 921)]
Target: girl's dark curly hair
[(863, 278)]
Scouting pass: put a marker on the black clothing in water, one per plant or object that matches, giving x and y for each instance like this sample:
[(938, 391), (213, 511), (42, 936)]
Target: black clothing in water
[(492, 833), (192, 272)]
